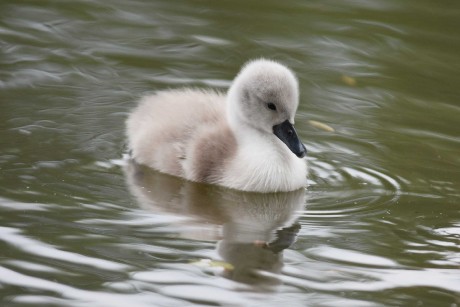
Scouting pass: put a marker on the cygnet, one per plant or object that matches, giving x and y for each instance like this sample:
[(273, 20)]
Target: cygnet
[(244, 139)]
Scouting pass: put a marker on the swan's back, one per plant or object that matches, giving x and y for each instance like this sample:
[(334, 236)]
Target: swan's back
[(163, 126)]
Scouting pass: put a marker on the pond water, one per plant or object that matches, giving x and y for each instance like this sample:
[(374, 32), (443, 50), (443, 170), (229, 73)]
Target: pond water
[(379, 225)]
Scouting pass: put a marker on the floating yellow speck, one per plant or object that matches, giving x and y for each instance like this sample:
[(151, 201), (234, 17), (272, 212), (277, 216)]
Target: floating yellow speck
[(212, 263), (349, 80), (321, 126)]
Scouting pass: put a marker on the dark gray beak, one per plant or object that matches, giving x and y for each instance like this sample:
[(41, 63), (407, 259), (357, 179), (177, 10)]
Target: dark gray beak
[(286, 133)]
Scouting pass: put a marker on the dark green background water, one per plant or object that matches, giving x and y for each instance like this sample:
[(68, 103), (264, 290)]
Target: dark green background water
[(379, 224)]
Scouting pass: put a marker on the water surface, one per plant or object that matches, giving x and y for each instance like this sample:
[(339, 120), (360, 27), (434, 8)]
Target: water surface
[(378, 226)]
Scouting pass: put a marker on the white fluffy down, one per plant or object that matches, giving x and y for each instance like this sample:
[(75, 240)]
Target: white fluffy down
[(223, 139)]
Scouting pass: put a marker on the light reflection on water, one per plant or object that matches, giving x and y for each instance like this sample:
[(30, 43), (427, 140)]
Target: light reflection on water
[(380, 223), (252, 228)]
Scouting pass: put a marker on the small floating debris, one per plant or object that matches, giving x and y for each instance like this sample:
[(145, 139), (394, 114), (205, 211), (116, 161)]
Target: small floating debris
[(349, 80), (206, 263), (321, 126)]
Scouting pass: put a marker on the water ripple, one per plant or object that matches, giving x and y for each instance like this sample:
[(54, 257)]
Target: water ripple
[(380, 226), (14, 238)]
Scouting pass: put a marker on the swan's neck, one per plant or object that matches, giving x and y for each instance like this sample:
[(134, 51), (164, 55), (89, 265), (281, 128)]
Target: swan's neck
[(233, 112), (264, 164)]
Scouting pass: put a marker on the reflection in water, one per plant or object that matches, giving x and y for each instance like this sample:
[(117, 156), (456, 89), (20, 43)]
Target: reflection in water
[(254, 228)]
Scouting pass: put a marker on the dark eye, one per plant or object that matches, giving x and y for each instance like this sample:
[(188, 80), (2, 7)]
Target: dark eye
[(271, 106)]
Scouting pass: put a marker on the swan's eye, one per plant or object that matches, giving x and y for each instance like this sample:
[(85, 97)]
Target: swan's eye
[(271, 106)]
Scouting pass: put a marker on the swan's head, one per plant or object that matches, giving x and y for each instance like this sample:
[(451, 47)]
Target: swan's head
[(265, 96)]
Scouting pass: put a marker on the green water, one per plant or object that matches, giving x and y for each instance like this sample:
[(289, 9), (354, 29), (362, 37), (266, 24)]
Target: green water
[(378, 226)]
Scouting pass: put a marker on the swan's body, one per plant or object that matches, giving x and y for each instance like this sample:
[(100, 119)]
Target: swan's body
[(243, 140)]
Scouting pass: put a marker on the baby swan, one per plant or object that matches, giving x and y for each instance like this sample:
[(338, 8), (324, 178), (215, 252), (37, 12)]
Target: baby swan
[(244, 140)]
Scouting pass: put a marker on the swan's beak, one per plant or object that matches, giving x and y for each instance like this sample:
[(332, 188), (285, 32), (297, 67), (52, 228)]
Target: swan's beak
[(286, 133)]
